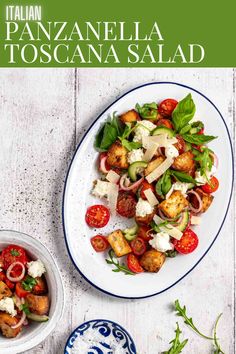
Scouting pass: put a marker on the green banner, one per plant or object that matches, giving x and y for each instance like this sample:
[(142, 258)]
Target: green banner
[(117, 34)]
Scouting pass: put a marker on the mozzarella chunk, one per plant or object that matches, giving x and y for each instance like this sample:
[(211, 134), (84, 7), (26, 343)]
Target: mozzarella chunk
[(171, 151), (143, 208), (36, 268), (135, 155), (7, 305), (179, 186), (143, 128), (161, 242)]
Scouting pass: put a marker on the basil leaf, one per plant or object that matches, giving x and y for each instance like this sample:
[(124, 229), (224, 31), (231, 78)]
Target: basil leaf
[(158, 188), (130, 145), (108, 134), (198, 139), (166, 183), (29, 283), (183, 177), (185, 129), (25, 309), (148, 110), (183, 112)]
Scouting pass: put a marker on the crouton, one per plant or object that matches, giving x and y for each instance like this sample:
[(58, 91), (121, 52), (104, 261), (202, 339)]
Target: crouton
[(117, 155), (152, 260), (130, 116), (4, 290), (38, 304), (153, 164), (173, 206), (205, 197), (6, 323), (145, 220), (41, 287), (184, 162), (118, 243)]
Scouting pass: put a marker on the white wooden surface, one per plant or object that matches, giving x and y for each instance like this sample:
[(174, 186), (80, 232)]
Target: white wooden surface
[(43, 115)]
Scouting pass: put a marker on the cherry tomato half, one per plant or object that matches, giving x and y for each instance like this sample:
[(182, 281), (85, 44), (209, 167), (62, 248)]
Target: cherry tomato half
[(138, 246), (212, 186), (167, 106), (144, 186), (164, 122), (201, 131), (143, 232), (11, 254), (133, 264), (9, 284), (97, 216), (126, 205), (99, 243), (20, 291), (2, 276), (188, 242)]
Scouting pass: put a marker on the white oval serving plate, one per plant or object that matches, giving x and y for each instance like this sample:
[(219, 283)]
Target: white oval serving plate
[(83, 172)]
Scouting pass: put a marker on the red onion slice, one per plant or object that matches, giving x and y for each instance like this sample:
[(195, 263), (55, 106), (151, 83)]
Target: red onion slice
[(102, 166), (21, 322), (123, 185), (9, 270), (195, 210)]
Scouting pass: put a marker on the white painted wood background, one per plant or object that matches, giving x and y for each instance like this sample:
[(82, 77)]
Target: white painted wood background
[(43, 115)]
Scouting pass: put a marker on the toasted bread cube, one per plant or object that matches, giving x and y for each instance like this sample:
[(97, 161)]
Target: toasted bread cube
[(118, 243), (38, 304), (117, 155), (173, 206), (152, 260), (145, 220), (4, 290), (206, 199), (184, 162), (6, 323), (130, 116), (153, 164)]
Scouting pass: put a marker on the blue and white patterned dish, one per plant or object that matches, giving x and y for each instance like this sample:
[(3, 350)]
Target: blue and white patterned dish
[(108, 331)]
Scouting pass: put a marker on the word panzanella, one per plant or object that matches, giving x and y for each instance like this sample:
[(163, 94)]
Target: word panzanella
[(93, 43)]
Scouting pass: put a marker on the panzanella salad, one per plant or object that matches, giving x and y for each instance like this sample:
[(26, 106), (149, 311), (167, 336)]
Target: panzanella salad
[(23, 291), (156, 168)]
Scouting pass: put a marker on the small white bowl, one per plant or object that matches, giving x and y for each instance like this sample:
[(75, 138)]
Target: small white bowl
[(35, 333)]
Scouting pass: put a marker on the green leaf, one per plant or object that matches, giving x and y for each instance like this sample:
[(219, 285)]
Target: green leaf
[(218, 349), (14, 253), (185, 129), (181, 311), (183, 177), (204, 159), (108, 134), (163, 185), (176, 345), (25, 309), (183, 112), (148, 110), (118, 267), (130, 145), (198, 139), (171, 254), (29, 283)]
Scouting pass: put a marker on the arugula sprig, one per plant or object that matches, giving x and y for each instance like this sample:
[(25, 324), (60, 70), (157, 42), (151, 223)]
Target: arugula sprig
[(176, 345), (118, 267), (148, 110), (181, 311), (129, 145), (218, 349), (204, 159)]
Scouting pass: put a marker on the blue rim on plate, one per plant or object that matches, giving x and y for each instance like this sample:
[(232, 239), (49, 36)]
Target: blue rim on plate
[(106, 328), (65, 185)]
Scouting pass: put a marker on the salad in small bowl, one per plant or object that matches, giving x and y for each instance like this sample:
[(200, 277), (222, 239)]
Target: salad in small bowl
[(157, 169), (31, 292)]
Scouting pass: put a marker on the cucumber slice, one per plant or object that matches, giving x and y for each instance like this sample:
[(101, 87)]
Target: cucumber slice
[(184, 222), (130, 233), (133, 168), (163, 130), (37, 318)]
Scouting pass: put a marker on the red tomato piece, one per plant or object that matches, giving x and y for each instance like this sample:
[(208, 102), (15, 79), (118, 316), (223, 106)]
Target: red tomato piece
[(165, 122), (180, 145), (144, 186), (99, 243), (188, 242), (212, 186), (2, 276), (167, 106), (20, 291), (126, 205), (97, 216), (138, 246), (133, 264), (12, 254), (201, 131), (143, 232), (9, 284)]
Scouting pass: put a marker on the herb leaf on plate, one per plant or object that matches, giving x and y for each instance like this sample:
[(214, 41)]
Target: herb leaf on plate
[(28, 283), (176, 345), (118, 267), (163, 185), (198, 139), (148, 110), (204, 158), (108, 134), (183, 177), (181, 311), (183, 113)]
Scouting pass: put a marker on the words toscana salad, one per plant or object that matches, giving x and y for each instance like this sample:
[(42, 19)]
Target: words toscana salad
[(157, 169)]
